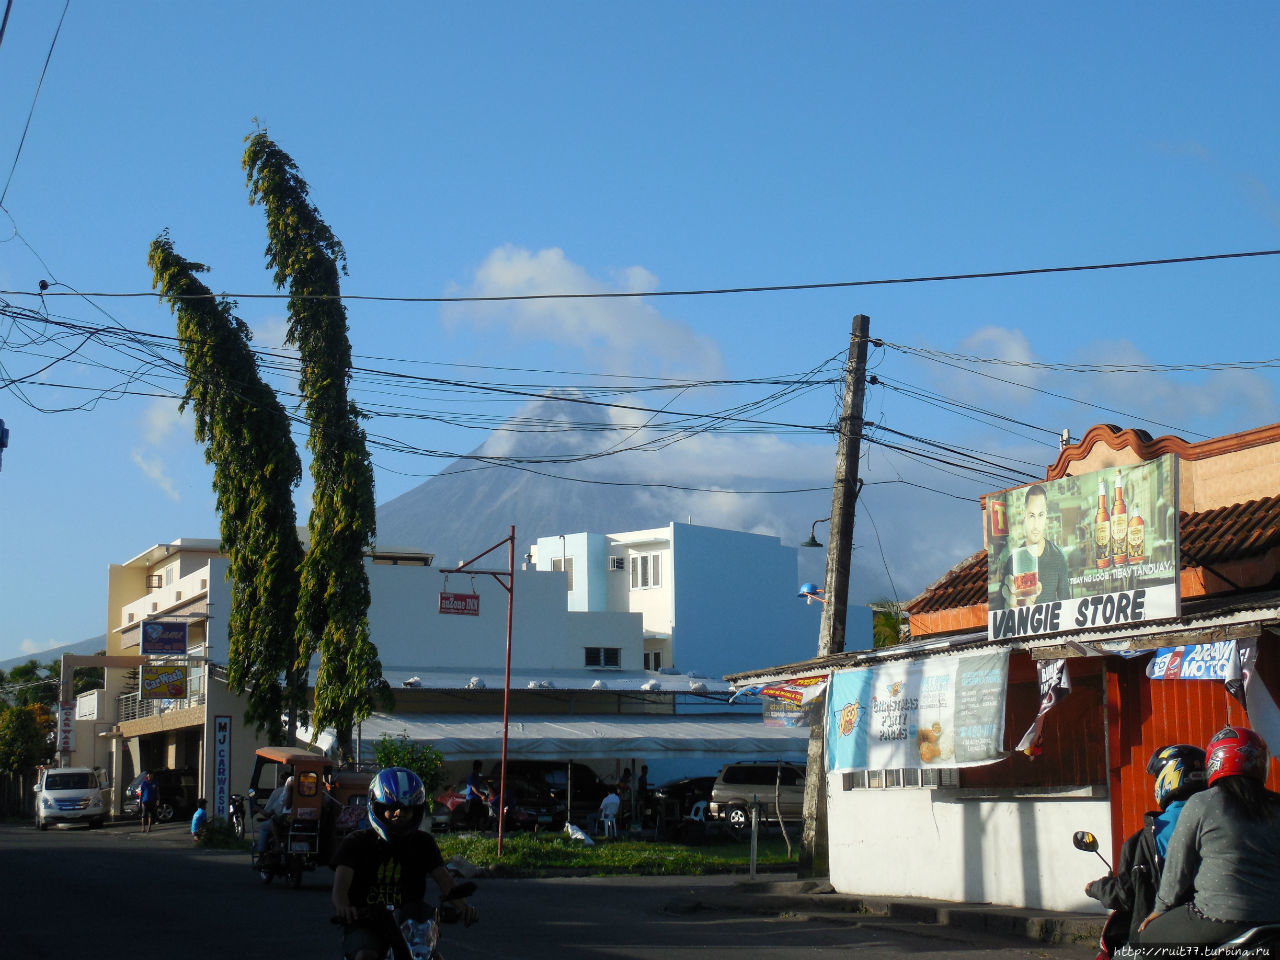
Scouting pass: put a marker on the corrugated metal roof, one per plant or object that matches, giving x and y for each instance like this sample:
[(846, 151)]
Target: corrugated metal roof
[(1209, 537)]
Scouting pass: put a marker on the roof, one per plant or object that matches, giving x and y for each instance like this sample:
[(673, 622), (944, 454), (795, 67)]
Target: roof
[(1206, 538), (532, 678)]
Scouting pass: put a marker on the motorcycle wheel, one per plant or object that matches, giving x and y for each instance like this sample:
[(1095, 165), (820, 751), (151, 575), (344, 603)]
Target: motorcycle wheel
[(266, 875), (237, 826)]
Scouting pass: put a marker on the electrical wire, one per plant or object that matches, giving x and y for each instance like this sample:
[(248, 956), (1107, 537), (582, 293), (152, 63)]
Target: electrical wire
[(32, 110)]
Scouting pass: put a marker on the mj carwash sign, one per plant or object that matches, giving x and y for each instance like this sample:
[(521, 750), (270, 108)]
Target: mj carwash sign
[(1079, 553)]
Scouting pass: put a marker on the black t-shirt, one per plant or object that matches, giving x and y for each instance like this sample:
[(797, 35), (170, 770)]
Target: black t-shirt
[(388, 873)]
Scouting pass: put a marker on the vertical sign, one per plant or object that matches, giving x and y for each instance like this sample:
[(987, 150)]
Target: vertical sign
[(66, 727), (221, 767)]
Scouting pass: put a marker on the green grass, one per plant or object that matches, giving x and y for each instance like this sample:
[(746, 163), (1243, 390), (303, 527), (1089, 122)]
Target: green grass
[(525, 854)]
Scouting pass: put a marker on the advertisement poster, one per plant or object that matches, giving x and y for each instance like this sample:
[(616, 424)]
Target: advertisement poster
[(940, 712), (796, 692), (163, 636), (162, 681), (779, 713), (1080, 553), (221, 767)]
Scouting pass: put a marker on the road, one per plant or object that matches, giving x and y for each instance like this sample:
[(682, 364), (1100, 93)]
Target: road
[(78, 892)]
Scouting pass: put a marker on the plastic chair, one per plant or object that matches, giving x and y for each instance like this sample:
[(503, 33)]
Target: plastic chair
[(699, 812), (610, 825)]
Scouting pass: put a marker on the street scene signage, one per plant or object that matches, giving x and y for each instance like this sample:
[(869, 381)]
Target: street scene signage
[(1084, 552), (163, 636), (163, 681), (221, 767), (941, 712), (464, 604), (66, 726)]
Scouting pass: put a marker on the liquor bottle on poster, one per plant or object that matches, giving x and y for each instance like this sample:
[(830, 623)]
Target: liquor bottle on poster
[(1102, 529), (1119, 526), (1137, 538)]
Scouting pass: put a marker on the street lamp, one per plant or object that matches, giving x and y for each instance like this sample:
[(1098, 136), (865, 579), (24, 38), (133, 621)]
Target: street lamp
[(813, 540)]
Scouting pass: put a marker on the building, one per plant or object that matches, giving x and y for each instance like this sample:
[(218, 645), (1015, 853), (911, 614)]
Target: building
[(583, 665), (711, 600), (1000, 832)]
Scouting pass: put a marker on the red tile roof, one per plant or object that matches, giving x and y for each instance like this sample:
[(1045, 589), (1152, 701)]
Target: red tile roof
[(1210, 537)]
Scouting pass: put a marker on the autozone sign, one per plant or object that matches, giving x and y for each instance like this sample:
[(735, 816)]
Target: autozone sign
[(465, 604)]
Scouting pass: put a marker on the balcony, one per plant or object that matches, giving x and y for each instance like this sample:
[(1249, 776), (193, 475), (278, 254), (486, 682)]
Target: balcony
[(131, 706)]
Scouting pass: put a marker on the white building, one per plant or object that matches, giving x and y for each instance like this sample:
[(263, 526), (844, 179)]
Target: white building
[(712, 601)]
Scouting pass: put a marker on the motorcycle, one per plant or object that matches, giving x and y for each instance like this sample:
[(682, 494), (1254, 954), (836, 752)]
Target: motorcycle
[(414, 930), (235, 815), (1115, 931)]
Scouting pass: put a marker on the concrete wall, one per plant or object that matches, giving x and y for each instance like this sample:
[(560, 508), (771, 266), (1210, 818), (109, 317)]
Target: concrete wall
[(929, 843), (735, 602)]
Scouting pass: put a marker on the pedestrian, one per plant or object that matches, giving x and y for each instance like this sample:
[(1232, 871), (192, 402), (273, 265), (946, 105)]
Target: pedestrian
[(148, 793), (200, 821)]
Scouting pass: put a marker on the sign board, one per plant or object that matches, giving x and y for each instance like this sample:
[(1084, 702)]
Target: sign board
[(1201, 661), (1079, 553), (946, 711), (221, 767), (163, 681), (163, 636), (66, 727), (779, 713), (466, 604)]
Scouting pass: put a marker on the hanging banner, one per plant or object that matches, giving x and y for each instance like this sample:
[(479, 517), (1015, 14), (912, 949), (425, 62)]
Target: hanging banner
[(1055, 683), (1200, 661), (1082, 552), (463, 604), (945, 711), (779, 713), (796, 692)]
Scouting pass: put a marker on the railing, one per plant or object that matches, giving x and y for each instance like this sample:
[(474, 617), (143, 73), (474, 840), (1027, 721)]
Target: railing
[(130, 706)]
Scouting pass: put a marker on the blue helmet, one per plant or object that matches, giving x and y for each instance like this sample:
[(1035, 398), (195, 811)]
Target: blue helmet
[(1179, 772), (396, 788)]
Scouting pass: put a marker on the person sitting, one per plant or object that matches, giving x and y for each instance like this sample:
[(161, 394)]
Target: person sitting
[(200, 821), (1221, 875), (609, 809), (1130, 891), (279, 806)]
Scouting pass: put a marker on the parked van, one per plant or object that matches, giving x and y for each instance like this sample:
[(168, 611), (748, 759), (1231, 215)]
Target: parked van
[(741, 784), (68, 795)]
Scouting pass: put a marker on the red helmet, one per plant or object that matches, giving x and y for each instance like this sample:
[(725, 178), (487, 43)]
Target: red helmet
[(1236, 751)]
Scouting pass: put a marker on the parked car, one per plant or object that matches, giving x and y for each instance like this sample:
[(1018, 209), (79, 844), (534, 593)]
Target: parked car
[(176, 793), (538, 792), (68, 795), (741, 784), (675, 798)]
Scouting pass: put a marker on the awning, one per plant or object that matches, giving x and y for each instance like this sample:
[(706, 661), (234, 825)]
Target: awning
[(693, 736)]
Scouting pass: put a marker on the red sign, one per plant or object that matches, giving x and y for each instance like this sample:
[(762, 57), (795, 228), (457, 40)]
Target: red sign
[(466, 604), (66, 726)]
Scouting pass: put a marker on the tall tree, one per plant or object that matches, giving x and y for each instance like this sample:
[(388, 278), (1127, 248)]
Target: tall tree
[(245, 430), (333, 602)]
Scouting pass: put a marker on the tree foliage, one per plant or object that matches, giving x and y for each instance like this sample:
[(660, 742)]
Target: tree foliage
[(423, 759), (886, 623), (26, 737), (245, 430), (334, 587)]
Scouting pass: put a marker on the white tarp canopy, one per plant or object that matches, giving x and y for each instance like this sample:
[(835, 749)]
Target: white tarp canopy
[(547, 737)]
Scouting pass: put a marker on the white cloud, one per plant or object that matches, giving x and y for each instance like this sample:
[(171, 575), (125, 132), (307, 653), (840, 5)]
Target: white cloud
[(36, 646), (161, 418), (623, 335), (154, 468)]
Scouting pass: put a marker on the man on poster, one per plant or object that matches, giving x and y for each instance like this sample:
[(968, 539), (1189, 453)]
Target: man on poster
[(1049, 577)]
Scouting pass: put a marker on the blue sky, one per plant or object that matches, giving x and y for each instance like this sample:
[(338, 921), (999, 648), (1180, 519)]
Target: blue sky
[(591, 147)]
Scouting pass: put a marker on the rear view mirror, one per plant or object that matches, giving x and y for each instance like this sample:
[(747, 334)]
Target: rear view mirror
[(1086, 841)]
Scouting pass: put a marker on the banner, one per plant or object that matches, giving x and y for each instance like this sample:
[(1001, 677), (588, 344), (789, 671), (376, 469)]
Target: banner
[(1226, 661), (221, 767), (1055, 683), (1096, 550), (946, 711), (163, 636), (1201, 661), (779, 713), (66, 727), (163, 681), (797, 692), (461, 604)]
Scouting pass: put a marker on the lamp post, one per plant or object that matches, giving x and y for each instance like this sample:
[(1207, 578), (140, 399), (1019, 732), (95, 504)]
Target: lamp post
[(813, 849), (813, 540)]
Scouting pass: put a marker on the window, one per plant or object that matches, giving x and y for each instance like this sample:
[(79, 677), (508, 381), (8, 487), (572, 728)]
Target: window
[(653, 661), (168, 574), (565, 564), (603, 657), (646, 571), (901, 777)]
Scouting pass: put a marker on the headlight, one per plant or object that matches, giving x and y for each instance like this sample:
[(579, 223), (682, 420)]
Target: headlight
[(46, 802)]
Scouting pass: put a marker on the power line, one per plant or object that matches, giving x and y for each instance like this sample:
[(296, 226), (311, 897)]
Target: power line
[(716, 291), (32, 110)]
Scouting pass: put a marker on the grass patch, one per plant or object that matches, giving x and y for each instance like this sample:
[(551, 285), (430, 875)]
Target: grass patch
[(218, 835), (525, 854)]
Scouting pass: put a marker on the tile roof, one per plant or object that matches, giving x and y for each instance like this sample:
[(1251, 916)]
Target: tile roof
[(1210, 537)]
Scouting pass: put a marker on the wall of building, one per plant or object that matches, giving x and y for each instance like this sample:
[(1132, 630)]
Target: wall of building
[(735, 602), (921, 843)]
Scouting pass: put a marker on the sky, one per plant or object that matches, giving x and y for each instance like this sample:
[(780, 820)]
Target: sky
[(505, 149)]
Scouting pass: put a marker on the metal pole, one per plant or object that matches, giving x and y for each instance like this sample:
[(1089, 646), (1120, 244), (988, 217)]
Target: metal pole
[(813, 849), (506, 686)]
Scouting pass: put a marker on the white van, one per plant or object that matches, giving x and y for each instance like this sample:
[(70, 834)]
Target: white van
[(68, 795)]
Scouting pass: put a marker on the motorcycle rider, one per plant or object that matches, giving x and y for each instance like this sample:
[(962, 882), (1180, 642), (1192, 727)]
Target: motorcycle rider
[(387, 865), (1130, 891), (1222, 875)]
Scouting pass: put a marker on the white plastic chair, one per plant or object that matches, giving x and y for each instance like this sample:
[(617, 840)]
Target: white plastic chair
[(609, 824), (699, 812)]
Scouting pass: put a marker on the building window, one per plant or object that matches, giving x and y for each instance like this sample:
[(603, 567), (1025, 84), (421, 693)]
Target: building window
[(646, 571), (653, 661), (901, 777), (603, 657), (564, 564)]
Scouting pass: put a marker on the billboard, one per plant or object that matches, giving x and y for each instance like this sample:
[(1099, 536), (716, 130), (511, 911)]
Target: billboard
[(163, 636), (162, 681), (945, 711), (1095, 550)]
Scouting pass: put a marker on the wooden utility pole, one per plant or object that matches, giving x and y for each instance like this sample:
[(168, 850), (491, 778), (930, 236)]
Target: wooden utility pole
[(844, 493)]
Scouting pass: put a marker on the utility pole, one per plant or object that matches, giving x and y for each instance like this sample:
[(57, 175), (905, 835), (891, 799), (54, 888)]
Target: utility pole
[(844, 493)]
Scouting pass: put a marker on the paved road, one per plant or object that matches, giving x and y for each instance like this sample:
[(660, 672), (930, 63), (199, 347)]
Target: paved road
[(117, 892)]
